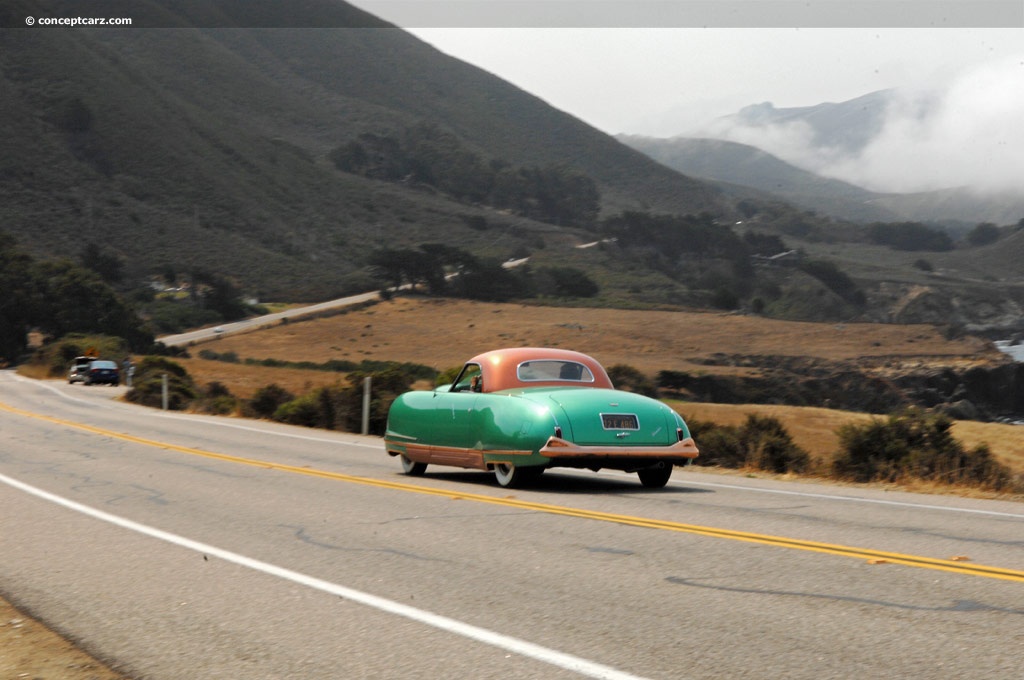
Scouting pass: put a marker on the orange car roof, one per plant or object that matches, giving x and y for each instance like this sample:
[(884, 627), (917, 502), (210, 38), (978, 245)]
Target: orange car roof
[(499, 367)]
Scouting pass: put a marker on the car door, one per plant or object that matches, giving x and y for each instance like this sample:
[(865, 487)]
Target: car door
[(458, 418)]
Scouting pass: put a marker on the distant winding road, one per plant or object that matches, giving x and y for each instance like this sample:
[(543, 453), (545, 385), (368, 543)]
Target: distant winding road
[(182, 546), (254, 323)]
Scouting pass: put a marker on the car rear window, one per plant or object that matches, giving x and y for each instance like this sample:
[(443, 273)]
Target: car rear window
[(103, 364), (553, 369)]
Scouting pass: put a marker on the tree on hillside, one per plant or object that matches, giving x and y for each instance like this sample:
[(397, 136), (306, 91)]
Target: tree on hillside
[(835, 279), (109, 266), (58, 298), (222, 296), (764, 244), (396, 267), (428, 155), (666, 239), (19, 303), (909, 236), (983, 234), (76, 300), (485, 279), (564, 282)]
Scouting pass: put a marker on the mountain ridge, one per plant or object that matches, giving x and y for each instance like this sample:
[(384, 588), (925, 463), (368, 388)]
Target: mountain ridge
[(829, 135), (745, 165)]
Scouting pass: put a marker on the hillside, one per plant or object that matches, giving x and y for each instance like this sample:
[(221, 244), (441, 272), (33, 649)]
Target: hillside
[(215, 148), (747, 166), (209, 147)]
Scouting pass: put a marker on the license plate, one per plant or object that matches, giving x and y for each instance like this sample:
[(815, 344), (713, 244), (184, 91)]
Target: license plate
[(620, 421)]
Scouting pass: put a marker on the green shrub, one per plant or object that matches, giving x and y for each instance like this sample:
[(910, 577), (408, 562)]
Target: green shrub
[(769, 447), (268, 399), (915, 445), (630, 379), (304, 410), (339, 407), (216, 399), (761, 443), (719, 444), (229, 357), (147, 385)]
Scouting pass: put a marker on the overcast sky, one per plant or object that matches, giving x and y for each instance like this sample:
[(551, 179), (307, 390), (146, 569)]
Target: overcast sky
[(657, 81), (669, 81)]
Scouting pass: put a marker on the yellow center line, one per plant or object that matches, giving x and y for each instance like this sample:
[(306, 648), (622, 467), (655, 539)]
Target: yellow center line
[(665, 525)]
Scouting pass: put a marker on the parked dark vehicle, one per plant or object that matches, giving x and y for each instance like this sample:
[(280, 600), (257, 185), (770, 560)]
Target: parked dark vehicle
[(103, 372), (79, 368)]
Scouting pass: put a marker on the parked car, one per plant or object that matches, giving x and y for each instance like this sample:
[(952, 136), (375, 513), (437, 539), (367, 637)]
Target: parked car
[(78, 368), (521, 411), (103, 372)]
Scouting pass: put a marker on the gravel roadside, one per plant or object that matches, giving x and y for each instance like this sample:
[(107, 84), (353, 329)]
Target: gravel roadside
[(30, 650)]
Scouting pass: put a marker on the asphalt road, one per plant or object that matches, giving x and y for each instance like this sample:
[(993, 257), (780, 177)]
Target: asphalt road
[(179, 546)]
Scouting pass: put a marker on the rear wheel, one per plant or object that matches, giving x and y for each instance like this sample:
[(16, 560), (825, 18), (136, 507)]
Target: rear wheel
[(655, 477), (510, 476), (412, 468)]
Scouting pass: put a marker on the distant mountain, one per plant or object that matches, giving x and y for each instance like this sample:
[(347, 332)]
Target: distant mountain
[(206, 147), (845, 126), (747, 166), (787, 150)]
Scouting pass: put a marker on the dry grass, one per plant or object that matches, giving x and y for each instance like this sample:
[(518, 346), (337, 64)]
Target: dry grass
[(444, 333), (814, 429), (1005, 441), (243, 380)]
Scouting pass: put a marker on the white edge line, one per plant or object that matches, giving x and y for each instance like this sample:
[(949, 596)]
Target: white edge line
[(852, 499), (527, 649)]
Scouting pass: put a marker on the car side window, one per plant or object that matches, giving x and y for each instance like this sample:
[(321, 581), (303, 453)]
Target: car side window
[(469, 380)]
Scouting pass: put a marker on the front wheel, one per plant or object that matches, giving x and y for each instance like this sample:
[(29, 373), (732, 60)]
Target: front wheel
[(411, 468), (510, 476), (655, 477)]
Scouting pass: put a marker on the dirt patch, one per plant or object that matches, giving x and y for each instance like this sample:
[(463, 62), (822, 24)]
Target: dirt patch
[(30, 650)]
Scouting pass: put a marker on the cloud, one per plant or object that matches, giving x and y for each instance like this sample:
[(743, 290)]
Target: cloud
[(967, 133)]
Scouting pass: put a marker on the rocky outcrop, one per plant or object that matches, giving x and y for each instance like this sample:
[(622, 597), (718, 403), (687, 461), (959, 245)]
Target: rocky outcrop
[(982, 309), (987, 392)]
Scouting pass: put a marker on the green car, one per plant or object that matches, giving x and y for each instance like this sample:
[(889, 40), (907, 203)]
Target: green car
[(520, 411)]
